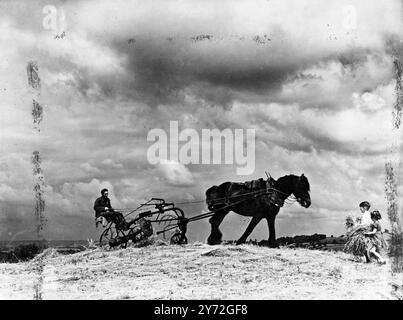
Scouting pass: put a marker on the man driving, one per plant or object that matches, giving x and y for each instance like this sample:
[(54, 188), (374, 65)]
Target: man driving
[(102, 206)]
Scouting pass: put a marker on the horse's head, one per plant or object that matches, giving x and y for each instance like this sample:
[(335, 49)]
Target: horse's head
[(301, 191)]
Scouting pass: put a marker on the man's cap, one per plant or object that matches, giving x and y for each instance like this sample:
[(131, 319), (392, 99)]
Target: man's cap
[(103, 190)]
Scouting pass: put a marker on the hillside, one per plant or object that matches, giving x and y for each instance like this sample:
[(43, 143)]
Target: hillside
[(196, 271)]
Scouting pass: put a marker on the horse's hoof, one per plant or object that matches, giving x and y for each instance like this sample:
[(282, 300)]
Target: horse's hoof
[(214, 238), (213, 242), (239, 242)]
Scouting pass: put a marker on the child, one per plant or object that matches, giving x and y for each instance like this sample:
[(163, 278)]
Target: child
[(357, 242), (377, 242), (366, 215)]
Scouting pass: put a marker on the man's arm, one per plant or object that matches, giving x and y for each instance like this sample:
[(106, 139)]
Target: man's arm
[(98, 206), (109, 205)]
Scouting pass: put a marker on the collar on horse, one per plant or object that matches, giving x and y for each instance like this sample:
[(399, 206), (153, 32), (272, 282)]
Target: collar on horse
[(273, 193), (267, 186)]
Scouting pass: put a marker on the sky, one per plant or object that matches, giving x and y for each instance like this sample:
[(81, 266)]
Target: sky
[(315, 79)]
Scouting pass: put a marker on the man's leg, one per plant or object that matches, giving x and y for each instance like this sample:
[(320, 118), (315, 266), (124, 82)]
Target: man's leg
[(100, 219), (107, 215)]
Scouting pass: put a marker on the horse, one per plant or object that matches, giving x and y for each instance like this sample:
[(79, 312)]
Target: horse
[(263, 201)]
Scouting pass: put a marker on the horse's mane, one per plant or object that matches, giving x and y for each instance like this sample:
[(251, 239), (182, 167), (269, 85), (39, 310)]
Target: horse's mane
[(303, 180)]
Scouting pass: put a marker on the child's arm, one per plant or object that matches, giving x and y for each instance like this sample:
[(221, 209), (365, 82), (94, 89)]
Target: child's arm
[(374, 229), (370, 232)]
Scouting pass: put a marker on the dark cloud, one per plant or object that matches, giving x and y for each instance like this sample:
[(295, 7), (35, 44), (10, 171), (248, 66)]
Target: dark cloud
[(156, 72), (162, 73)]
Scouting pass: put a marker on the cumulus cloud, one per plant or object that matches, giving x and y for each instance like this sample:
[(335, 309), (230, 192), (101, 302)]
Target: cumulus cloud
[(89, 168), (111, 163), (176, 173)]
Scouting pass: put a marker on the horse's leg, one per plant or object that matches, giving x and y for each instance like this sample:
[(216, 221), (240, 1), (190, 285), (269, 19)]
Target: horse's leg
[(255, 220), (215, 221), (272, 231)]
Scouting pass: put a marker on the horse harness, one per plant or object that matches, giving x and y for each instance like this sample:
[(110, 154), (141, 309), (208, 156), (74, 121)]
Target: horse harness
[(258, 188)]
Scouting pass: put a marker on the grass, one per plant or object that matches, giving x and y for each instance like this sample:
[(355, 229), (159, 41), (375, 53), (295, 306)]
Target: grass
[(201, 271)]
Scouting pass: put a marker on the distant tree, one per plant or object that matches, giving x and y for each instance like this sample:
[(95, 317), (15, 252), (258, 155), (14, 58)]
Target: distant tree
[(27, 251)]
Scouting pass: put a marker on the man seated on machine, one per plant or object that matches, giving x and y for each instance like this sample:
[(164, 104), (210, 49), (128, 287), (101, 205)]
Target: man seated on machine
[(103, 208)]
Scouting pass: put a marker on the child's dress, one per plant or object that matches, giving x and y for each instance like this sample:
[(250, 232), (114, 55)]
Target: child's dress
[(377, 239)]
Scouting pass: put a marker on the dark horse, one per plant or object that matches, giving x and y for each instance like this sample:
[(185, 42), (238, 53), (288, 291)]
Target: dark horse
[(246, 201)]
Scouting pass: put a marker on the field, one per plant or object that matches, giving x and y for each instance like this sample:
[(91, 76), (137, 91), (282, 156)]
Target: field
[(198, 271)]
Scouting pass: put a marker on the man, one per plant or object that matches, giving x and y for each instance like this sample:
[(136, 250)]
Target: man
[(102, 204), (103, 208)]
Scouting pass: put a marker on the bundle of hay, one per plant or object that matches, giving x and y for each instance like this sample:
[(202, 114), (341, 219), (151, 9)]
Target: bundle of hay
[(357, 242), (349, 224)]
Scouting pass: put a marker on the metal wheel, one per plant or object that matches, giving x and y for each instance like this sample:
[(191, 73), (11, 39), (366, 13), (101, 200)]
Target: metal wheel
[(124, 244), (134, 235), (179, 238), (111, 233), (107, 235), (167, 223)]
